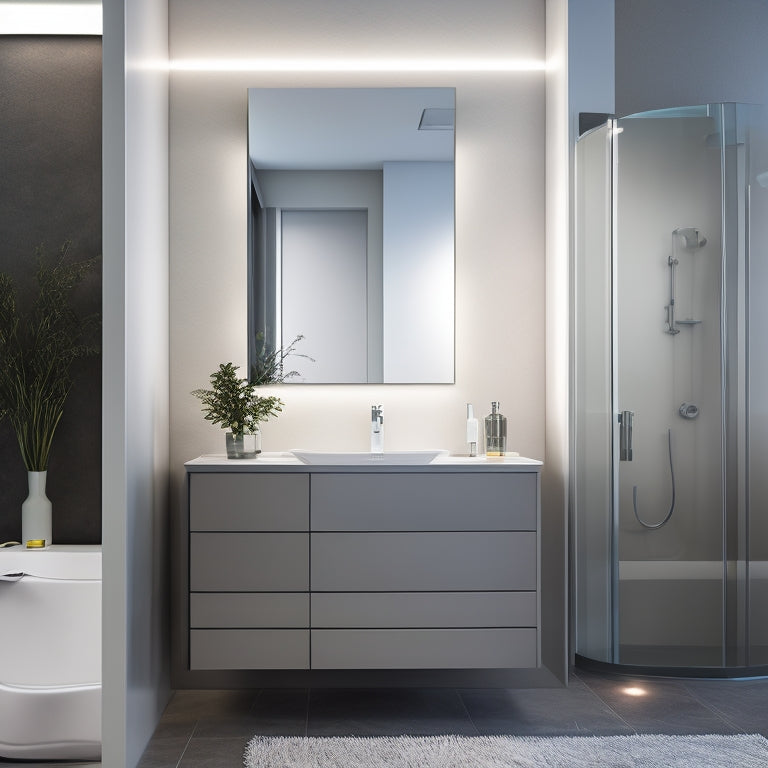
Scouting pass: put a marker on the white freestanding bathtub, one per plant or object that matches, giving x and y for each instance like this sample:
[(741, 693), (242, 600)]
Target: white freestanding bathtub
[(50, 653)]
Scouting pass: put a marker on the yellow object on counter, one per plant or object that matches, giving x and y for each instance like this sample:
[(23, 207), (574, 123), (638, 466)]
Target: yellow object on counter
[(36, 544)]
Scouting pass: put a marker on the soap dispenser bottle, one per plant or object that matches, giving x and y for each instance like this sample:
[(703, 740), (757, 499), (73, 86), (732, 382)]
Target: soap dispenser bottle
[(472, 430), (495, 432)]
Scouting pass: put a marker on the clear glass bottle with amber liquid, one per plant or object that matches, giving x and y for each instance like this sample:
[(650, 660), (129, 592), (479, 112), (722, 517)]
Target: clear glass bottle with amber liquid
[(495, 432)]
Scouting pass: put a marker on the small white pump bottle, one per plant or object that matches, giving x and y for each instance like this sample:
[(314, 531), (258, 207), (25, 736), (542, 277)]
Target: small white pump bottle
[(473, 431)]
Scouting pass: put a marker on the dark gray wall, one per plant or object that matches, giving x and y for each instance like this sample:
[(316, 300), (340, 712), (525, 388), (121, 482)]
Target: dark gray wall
[(671, 54), (50, 191)]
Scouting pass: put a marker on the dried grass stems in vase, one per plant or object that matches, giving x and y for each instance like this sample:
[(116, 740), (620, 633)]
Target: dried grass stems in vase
[(37, 349)]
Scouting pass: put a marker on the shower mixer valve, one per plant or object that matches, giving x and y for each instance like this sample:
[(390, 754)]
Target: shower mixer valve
[(688, 410)]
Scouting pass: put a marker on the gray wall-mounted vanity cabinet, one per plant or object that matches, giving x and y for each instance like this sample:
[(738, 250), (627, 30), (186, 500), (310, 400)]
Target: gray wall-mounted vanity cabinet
[(428, 567)]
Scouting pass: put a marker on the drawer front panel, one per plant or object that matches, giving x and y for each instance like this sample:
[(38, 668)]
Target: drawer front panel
[(249, 649), (249, 562), (229, 501), (423, 648), (422, 562), (248, 610), (423, 609), (424, 502)]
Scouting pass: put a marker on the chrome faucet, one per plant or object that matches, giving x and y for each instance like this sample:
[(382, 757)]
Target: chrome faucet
[(377, 429)]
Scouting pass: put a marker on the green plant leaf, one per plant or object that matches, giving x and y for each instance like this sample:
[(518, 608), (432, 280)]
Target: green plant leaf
[(233, 403)]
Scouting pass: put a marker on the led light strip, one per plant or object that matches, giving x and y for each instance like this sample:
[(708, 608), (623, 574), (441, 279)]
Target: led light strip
[(357, 65)]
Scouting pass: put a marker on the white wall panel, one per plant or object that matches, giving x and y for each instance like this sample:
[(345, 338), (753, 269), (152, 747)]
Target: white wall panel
[(499, 213), (499, 210), (135, 378)]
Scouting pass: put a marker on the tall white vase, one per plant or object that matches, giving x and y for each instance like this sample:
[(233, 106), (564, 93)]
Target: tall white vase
[(36, 511)]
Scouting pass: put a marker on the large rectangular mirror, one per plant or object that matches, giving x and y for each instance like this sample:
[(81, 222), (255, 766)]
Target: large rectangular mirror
[(351, 232)]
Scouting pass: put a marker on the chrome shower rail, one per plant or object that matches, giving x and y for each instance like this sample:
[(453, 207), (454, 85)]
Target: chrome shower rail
[(691, 239)]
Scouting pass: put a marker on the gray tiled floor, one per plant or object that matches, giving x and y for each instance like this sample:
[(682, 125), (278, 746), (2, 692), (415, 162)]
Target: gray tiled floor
[(209, 729)]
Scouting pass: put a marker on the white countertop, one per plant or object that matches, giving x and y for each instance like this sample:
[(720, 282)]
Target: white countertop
[(287, 462)]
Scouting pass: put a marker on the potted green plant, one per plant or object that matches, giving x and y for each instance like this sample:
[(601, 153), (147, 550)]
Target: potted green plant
[(37, 349), (233, 403)]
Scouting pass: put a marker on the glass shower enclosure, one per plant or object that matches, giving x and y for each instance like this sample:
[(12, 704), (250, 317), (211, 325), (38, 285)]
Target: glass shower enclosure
[(669, 428)]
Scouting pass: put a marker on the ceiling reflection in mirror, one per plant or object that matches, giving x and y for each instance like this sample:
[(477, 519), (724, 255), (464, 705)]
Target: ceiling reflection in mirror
[(351, 233)]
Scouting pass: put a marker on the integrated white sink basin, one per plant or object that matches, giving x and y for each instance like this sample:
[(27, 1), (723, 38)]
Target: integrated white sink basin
[(364, 457)]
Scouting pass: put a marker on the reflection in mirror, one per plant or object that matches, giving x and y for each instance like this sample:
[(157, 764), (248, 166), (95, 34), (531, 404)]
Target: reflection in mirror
[(351, 232)]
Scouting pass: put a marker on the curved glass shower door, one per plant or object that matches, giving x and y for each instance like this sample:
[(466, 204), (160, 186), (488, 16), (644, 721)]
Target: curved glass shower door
[(668, 269), (592, 432), (669, 337)]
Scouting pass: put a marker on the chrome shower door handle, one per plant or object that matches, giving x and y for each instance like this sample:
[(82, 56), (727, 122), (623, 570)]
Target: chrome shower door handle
[(625, 435)]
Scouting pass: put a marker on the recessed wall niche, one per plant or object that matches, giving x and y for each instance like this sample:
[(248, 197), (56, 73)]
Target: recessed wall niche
[(50, 165)]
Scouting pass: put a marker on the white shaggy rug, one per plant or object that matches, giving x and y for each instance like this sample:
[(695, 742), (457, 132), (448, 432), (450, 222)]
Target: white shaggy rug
[(508, 752)]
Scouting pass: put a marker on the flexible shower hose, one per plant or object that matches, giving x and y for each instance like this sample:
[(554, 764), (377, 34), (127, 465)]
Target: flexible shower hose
[(642, 522)]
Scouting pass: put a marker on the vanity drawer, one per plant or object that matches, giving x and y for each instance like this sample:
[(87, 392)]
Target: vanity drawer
[(424, 502), (228, 501), (422, 562), (249, 649), (249, 562), (423, 609), (423, 648), (248, 610)]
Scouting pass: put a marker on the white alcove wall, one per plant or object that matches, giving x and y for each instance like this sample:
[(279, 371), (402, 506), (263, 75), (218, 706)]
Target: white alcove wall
[(500, 166), (136, 681)]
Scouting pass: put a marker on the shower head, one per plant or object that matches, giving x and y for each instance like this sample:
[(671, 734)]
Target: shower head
[(691, 237)]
